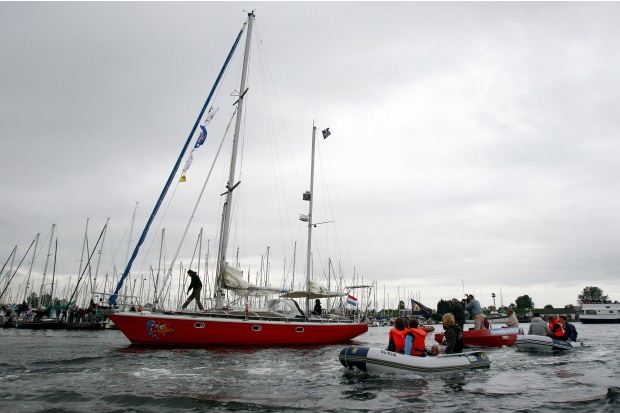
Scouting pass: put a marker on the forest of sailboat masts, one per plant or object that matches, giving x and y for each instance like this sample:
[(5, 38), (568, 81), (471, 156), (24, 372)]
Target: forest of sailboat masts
[(40, 272)]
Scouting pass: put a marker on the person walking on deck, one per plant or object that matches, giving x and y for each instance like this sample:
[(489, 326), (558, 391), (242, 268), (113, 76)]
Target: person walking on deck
[(196, 285)]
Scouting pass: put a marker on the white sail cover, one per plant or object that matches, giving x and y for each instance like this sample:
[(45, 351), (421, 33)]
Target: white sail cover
[(315, 290), (233, 280)]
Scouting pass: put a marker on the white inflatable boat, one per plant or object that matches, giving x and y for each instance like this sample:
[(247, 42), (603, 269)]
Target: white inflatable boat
[(545, 344), (376, 360)]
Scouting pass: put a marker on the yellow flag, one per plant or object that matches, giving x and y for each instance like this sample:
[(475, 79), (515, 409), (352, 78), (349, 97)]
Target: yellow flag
[(182, 178)]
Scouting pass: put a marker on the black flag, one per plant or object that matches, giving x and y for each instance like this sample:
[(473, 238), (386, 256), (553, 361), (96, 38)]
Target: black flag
[(326, 133)]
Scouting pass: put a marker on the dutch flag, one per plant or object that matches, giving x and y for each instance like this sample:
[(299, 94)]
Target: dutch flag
[(351, 300)]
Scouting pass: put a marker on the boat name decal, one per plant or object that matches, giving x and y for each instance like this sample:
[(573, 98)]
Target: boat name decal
[(158, 330), (388, 353)]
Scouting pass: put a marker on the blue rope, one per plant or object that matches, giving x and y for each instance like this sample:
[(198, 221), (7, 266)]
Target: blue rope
[(113, 297)]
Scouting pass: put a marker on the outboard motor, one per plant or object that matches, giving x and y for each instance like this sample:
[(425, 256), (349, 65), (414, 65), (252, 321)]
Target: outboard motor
[(354, 356)]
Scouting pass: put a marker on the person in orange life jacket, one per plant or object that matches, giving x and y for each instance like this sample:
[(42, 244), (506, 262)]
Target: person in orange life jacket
[(415, 338), (397, 336), (555, 325)]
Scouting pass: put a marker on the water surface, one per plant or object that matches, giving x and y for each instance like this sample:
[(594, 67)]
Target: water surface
[(98, 371)]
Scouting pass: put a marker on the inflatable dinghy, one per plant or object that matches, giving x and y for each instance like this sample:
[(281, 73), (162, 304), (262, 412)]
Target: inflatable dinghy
[(376, 360), (495, 337), (545, 344)]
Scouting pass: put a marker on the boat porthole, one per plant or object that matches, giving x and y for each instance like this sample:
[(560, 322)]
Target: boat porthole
[(199, 325), (299, 330), (256, 327)]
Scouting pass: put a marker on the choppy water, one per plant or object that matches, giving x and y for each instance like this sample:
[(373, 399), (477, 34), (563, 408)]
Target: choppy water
[(97, 371)]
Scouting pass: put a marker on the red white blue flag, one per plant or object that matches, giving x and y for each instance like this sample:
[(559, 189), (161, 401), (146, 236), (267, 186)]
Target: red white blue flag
[(351, 300)]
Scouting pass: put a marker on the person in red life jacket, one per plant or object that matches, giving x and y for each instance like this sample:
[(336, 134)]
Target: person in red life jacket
[(556, 327), (397, 336), (415, 338)]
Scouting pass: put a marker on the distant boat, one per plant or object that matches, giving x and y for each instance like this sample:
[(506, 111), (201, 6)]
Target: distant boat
[(544, 344), (280, 322), (599, 313), (495, 337)]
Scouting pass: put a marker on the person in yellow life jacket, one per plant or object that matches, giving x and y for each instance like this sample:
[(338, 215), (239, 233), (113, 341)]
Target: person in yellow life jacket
[(415, 338), (556, 327), (397, 336)]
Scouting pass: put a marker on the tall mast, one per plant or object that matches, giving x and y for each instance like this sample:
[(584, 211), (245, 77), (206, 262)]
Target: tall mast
[(294, 258), (34, 252), (54, 272), (47, 259), (310, 199), (329, 280), (114, 296), (221, 262), (161, 249), (107, 221), (133, 219), (11, 257)]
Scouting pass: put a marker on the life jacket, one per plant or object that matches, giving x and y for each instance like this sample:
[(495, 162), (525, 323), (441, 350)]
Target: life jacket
[(397, 340), (556, 328), (419, 336)]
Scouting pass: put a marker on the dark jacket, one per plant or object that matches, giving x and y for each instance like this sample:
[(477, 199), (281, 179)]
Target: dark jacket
[(195, 282), (459, 313), (570, 332), (453, 339)]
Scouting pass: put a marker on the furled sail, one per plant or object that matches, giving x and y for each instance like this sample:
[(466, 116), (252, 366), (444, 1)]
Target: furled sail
[(314, 291), (233, 280)]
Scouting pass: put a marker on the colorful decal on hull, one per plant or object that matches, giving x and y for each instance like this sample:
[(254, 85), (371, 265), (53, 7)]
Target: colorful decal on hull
[(158, 330)]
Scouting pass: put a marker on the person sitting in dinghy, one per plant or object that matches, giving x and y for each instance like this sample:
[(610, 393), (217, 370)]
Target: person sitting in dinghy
[(539, 327), (556, 327), (512, 320), (452, 339), (415, 338), (397, 336), (570, 332)]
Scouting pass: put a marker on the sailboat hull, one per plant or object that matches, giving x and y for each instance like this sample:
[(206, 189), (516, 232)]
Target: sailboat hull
[(195, 330)]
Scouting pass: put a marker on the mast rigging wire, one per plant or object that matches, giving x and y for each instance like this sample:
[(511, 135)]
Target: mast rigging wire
[(204, 185)]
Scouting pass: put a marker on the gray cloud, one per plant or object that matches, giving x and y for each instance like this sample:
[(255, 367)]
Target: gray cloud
[(472, 143)]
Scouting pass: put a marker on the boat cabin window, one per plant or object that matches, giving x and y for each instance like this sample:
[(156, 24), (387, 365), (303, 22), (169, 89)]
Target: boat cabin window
[(591, 312)]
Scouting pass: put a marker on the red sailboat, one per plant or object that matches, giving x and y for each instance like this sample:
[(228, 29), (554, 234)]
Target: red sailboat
[(280, 322)]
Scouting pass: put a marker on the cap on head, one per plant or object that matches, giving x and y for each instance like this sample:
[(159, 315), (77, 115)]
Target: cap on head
[(190, 272)]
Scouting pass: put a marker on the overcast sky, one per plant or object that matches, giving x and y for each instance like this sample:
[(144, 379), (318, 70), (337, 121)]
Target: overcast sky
[(473, 144)]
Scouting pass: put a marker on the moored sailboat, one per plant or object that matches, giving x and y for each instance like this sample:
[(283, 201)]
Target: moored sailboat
[(280, 322)]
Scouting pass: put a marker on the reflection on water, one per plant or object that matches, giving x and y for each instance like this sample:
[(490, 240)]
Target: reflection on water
[(98, 371)]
